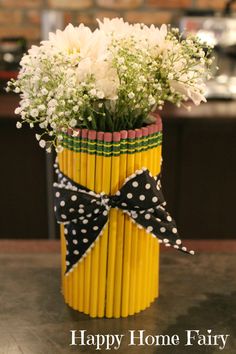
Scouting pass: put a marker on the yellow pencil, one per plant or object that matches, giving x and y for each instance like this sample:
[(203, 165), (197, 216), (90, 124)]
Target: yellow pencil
[(154, 241), (113, 226), (90, 184), (62, 236), (106, 177), (149, 238), (144, 236), (157, 164), (76, 178), (119, 277), (69, 173), (83, 181), (137, 231), (134, 240), (96, 250), (155, 245), (121, 232), (63, 169), (128, 234)]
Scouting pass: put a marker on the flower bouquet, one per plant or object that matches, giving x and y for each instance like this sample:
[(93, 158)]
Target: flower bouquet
[(93, 96)]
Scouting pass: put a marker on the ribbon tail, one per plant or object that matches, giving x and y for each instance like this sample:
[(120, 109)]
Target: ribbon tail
[(162, 229), (80, 240)]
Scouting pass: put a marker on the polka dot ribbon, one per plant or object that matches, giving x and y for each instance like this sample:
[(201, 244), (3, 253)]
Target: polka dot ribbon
[(85, 213)]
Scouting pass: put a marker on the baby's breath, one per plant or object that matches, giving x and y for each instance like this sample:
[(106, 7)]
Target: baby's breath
[(110, 79)]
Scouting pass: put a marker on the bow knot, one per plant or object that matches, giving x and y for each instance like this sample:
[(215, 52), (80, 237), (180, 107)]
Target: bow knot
[(85, 213), (113, 201), (108, 201)]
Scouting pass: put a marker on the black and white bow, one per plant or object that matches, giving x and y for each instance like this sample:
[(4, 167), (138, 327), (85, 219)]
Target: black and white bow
[(85, 213)]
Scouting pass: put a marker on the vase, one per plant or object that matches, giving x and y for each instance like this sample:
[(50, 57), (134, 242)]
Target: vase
[(120, 275)]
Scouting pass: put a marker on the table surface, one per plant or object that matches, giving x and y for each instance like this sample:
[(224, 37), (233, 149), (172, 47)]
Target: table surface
[(195, 293)]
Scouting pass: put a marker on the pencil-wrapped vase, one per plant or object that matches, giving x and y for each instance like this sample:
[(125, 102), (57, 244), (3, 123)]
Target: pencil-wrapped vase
[(120, 274)]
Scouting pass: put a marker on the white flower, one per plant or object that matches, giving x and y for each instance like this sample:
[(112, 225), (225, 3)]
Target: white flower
[(84, 69), (196, 96), (191, 92), (93, 92), (71, 40), (73, 122), (77, 70), (151, 100), (100, 94), (106, 79), (18, 125), (95, 47), (33, 51), (53, 125), (34, 112), (18, 110), (45, 79), (142, 78), (75, 133), (50, 111), (155, 37), (131, 95), (25, 103), (120, 60), (59, 148), (42, 143), (116, 27), (52, 103), (75, 108), (41, 107), (44, 91), (43, 125)]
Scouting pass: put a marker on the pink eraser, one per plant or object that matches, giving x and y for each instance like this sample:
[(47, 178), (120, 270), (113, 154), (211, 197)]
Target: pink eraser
[(150, 129), (131, 134), (100, 135), (108, 137), (160, 125), (145, 131), (124, 134), (84, 133), (92, 134), (69, 131), (138, 133), (116, 136)]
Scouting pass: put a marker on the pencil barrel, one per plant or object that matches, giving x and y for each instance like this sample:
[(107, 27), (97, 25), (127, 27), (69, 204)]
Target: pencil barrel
[(120, 275)]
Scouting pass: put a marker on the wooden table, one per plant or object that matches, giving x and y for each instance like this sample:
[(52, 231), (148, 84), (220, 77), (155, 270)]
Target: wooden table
[(195, 293)]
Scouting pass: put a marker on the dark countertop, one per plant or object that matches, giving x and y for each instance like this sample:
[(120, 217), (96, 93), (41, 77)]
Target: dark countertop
[(199, 159), (8, 104), (195, 293), (210, 110)]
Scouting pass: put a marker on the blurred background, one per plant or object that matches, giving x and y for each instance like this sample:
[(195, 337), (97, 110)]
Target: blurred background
[(199, 147)]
